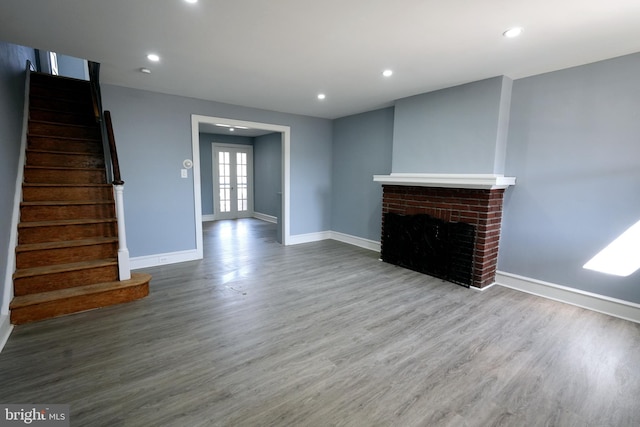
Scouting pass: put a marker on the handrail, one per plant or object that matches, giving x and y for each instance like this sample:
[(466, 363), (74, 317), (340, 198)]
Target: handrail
[(94, 80), (105, 118), (117, 180)]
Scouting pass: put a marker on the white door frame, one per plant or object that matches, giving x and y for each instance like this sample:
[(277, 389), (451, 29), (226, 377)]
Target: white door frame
[(285, 131), (216, 184)]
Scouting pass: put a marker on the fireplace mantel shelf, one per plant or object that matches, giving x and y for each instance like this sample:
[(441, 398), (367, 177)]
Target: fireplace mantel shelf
[(446, 180)]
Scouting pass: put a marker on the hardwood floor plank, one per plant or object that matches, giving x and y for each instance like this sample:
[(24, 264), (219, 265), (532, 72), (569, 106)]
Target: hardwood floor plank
[(323, 334)]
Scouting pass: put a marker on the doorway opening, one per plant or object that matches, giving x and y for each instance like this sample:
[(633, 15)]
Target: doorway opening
[(232, 181), (197, 122)]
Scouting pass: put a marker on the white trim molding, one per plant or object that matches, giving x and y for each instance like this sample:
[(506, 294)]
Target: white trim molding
[(361, 242), (298, 239), (264, 217), (596, 302), (164, 259), (7, 291), (448, 180), (208, 217), (349, 239), (5, 330)]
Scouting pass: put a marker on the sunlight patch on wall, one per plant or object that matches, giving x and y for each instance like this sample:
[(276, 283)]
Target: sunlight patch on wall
[(621, 257)]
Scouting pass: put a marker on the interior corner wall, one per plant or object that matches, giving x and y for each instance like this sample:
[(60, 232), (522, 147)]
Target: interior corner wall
[(153, 134), (206, 164), (13, 63), (574, 147), (362, 146), (452, 130), (267, 174)]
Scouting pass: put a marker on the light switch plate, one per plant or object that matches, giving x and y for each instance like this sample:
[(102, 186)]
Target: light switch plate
[(183, 173)]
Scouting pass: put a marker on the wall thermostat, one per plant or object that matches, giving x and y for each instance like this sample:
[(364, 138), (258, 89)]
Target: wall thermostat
[(187, 164)]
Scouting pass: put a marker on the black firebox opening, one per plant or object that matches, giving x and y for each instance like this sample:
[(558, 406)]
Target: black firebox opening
[(429, 245)]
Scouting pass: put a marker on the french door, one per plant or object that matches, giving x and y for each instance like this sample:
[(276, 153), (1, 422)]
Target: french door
[(232, 181)]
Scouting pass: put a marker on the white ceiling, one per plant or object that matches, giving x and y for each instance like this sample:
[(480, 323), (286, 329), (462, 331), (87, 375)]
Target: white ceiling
[(279, 54)]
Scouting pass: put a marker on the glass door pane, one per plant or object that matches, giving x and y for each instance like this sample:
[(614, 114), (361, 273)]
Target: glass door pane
[(242, 181), (224, 180)]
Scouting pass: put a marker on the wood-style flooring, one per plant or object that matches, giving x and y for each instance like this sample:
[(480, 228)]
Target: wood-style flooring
[(324, 334)]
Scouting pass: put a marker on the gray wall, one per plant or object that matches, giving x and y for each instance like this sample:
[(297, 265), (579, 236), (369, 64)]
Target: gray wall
[(206, 165), (574, 146), (267, 173), (453, 130), (13, 61), (153, 133), (362, 146), (70, 66)]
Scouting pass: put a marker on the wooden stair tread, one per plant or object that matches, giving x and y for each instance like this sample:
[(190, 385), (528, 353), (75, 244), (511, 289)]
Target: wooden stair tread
[(51, 223), (65, 244), (73, 125), (61, 268), (45, 297), (67, 138), (72, 138), (64, 168), (67, 202), (66, 153), (43, 184)]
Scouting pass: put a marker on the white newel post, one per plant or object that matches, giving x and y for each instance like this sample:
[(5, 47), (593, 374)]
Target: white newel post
[(123, 252)]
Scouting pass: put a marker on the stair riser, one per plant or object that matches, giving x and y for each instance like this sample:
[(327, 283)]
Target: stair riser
[(65, 160), (77, 304), (39, 81), (81, 94), (62, 117), (64, 280), (51, 213), (55, 144), (51, 129), (60, 233), (56, 176), (59, 105), (38, 194), (44, 257)]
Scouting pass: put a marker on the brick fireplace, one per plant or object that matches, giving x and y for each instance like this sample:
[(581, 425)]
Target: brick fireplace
[(471, 199)]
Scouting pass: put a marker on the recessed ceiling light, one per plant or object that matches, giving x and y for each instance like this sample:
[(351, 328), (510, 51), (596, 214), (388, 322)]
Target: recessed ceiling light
[(513, 32), (387, 73), (145, 70), (231, 129), (191, 1), (224, 125), (321, 96), (153, 57)]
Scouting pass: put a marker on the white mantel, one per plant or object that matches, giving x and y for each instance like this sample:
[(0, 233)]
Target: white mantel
[(447, 180)]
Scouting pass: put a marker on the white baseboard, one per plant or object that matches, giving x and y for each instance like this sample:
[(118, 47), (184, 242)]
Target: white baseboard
[(164, 259), (309, 237), (372, 245), (209, 217), (335, 235), (600, 303), (5, 330), (473, 288), (269, 218)]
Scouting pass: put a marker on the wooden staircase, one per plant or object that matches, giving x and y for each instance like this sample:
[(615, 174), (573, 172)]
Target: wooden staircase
[(67, 252)]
